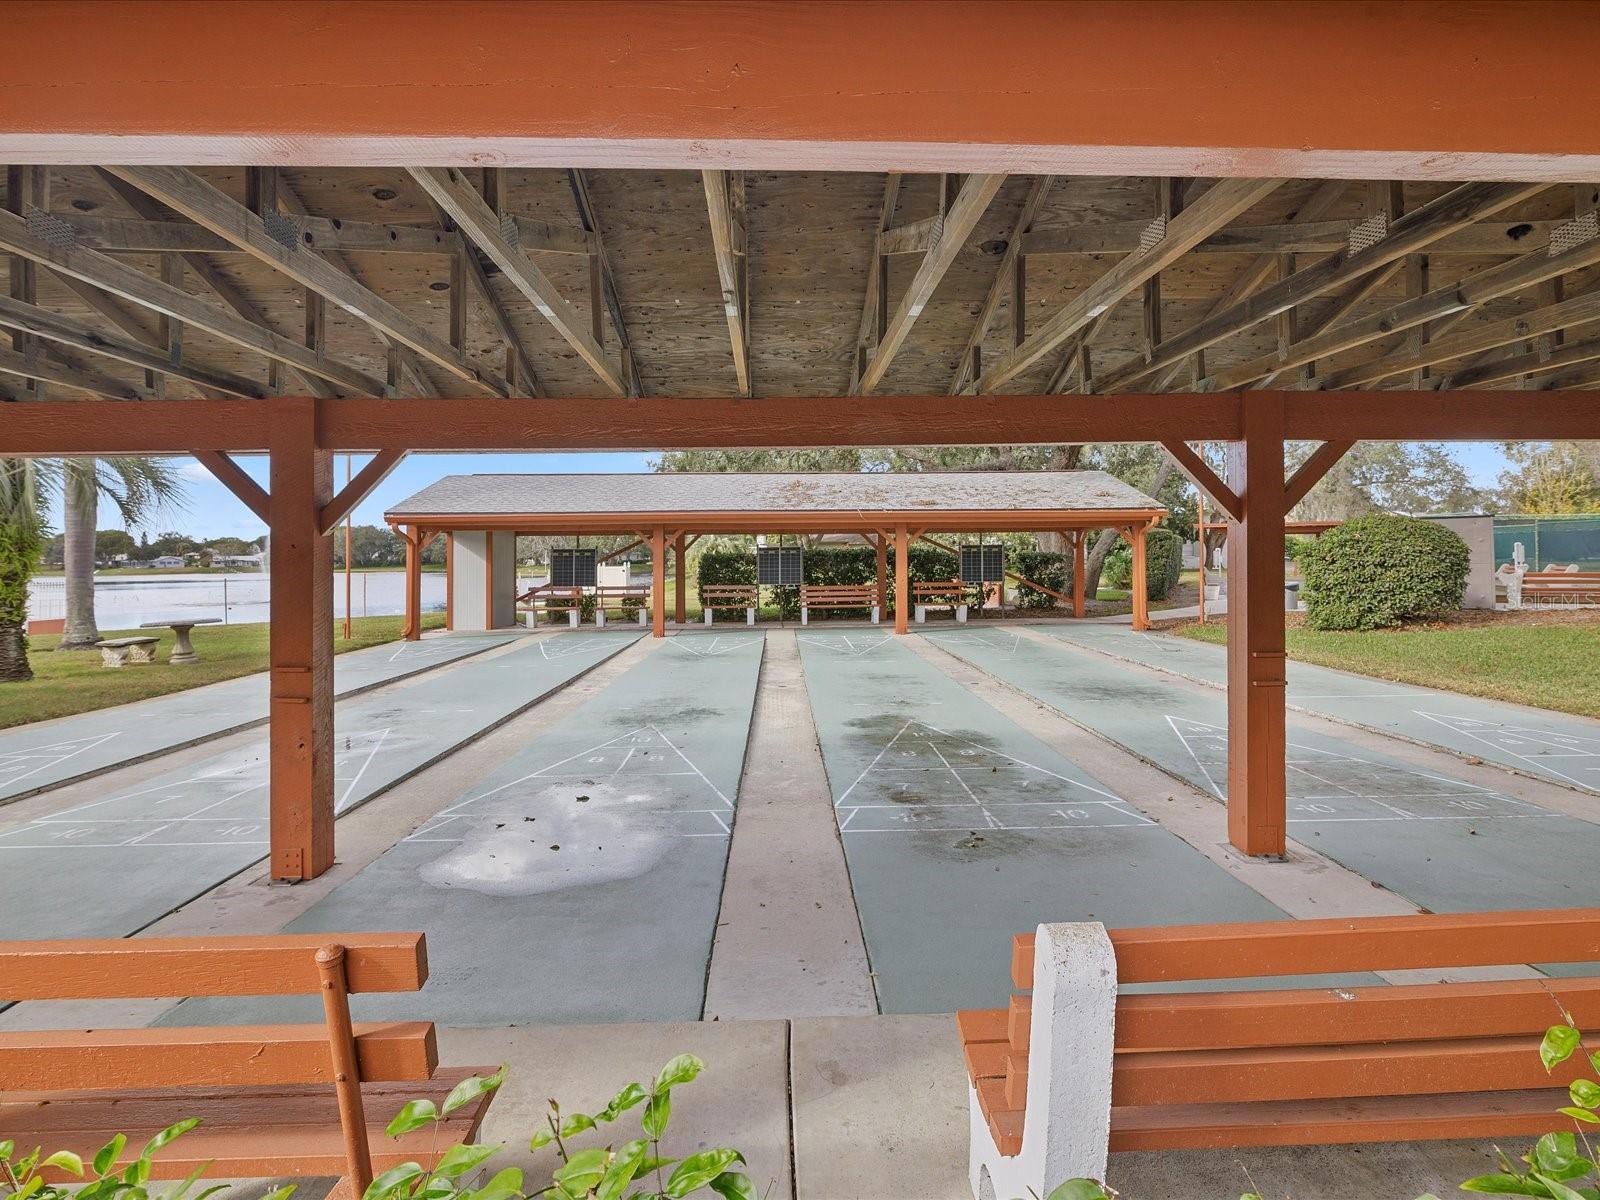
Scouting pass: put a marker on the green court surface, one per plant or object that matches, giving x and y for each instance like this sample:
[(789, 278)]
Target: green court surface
[(35, 758), (580, 882), (1443, 843), (111, 866), (961, 830), (1548, 745)]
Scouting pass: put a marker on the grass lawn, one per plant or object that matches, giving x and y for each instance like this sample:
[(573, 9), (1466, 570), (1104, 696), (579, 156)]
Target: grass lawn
[(73, 681), (1546, 660)]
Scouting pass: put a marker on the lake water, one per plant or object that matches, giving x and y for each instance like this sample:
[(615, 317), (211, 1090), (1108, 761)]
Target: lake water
[(126, 601)]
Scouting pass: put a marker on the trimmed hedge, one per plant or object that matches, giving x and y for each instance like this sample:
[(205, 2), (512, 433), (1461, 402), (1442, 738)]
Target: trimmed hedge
[(830, 564), (1163, 564), (1046, 567), (1380, 571)]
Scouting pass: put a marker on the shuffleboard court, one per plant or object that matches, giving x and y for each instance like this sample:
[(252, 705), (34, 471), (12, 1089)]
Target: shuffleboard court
[(36, 758), (111, 866), (581, 881), (1554, 746), (1444, 843), (961, 830)]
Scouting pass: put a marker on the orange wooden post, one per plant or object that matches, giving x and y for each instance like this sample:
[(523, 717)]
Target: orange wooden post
[(1257, 685), (1080, 566), (1141, 596), (1200, 525), (680, 584), (488, 578), (411, 630), (902, 579), (658, 581), (881, 542), (450, 580), (300, 641)]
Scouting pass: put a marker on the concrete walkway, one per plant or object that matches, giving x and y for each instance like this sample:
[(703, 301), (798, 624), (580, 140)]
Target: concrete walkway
[(37, 757)]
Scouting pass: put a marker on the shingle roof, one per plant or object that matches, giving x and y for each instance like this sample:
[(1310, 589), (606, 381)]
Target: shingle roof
[(998, 491)]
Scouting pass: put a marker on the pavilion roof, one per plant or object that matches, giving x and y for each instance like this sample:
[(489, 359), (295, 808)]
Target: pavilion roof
[(778, 493)]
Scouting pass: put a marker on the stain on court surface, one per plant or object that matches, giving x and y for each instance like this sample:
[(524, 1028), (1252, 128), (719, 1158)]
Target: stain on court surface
[(136, 854), (1445, 844), (580, 882), (961, 830)]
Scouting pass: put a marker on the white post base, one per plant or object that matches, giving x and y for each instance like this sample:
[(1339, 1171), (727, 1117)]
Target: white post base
[(749, 616), (922, 614), (805, 616), (530, 619), (875, 614), (575, 617), (961, 614), (708, 616), (1067, 1122), (599, 617)]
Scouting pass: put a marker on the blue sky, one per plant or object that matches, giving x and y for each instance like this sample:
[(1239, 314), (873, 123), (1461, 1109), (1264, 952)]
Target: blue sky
[(212, 511)]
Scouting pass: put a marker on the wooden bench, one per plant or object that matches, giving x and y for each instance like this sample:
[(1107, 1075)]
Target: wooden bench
[(273, 1100), (940, 593), (837, 595), (1549, 588), (622, 601), (730, 595), (549, 600), (119, 652), (1061, 1077)]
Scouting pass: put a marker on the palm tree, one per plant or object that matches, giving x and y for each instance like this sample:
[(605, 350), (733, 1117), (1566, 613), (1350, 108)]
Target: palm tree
[(139, 487), (21, 542)]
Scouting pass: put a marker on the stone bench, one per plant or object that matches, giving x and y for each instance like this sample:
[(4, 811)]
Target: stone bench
[(119, 652)]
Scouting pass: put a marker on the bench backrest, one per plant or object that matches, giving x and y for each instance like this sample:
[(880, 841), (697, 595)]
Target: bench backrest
[(827, 591), (1317, 1044), (272, 1055)]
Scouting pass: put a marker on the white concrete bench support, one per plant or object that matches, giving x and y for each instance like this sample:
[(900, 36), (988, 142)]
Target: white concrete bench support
[(122, 651), (1066, 1125)]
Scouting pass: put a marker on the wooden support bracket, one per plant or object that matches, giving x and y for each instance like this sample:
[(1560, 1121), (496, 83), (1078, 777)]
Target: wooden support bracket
[(1313, 469), (1204, 478), (357, 490), (232, 476)]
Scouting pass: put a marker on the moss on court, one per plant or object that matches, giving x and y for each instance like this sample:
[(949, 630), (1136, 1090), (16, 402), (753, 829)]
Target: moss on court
[(1545, 660), (73, 681)]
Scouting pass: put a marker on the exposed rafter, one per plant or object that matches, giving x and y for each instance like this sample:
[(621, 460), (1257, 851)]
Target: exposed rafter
[(187, 193), (453, 192), (875, 304), (1007, 276), (131, 284), (579, 183), (965, 213), (1226, 200), (726, 208), (30, 318), (1409, 234)]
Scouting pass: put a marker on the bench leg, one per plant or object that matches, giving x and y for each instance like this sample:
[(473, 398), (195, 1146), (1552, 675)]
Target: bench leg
[(599, 618), (113, 657), (961, 614), (1067, 1120), (708, 616), (749, 616), (876, 614), (805, 618), (575, 617), (920, 614), (644, 617)]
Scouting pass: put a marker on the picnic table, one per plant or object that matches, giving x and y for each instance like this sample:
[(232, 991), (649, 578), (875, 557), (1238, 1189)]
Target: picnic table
[(182, 649)]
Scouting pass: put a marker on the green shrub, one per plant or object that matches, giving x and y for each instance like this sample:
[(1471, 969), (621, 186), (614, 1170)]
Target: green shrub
[(1042, 566), (1163, 564), (1380, 571)]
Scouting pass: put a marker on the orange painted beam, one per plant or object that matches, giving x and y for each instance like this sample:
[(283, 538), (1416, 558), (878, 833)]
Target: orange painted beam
[(65, 427), (232, 476), (902, 579), (1194, 89)]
